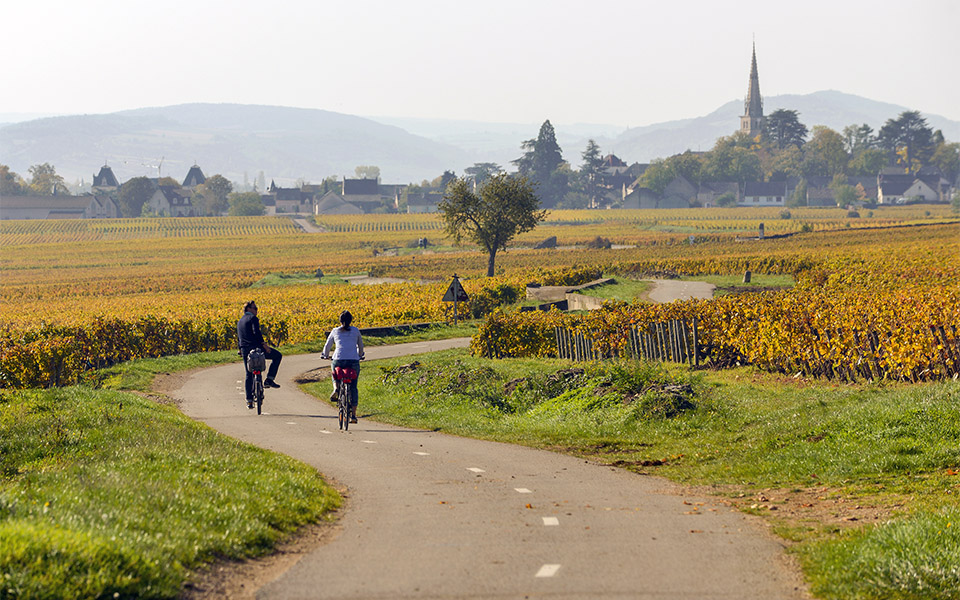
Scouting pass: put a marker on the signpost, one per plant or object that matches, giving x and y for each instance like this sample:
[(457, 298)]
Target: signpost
[(456, 295)]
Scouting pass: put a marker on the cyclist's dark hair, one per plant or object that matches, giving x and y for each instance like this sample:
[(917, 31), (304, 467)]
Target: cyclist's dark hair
[(345, 319), (249, 305)]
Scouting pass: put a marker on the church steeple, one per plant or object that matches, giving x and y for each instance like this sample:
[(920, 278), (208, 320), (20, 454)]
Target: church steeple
[(752, 120)]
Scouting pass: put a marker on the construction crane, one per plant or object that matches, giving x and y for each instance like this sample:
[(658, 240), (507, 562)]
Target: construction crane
[(158, 167)]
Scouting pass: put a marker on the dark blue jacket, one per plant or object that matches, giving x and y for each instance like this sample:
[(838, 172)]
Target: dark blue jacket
[(248, 331)]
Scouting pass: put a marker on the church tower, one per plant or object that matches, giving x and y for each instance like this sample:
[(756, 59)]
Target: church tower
[(752, 120)]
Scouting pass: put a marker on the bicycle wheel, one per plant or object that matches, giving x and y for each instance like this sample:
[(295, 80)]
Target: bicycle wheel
[(259, 393), (344, 406)]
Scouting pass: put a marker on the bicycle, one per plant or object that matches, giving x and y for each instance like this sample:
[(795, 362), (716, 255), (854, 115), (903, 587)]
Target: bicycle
[(256, 363), (344, 376)]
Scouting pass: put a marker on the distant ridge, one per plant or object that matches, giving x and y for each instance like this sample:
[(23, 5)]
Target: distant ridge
[(831, 108), (500, 142), (287, 144), (231, 139)]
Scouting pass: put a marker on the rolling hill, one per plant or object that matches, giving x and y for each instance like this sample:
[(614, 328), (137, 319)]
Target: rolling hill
[(233, 140), (239, 141)]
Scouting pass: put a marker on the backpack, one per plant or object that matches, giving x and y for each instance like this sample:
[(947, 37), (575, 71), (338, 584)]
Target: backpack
[(256, 360)]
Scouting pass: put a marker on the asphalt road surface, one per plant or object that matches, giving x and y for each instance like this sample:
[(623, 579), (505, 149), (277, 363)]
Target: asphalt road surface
[(430, 515), (668, 290)]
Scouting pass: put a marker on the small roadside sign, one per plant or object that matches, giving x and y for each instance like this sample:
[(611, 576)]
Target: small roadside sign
[(455, 292), (456, 295)]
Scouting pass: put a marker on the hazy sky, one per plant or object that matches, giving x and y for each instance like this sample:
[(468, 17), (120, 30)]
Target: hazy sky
[(618, 62)]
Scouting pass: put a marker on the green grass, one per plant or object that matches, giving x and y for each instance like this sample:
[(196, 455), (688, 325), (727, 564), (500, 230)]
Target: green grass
[(274, 279), (138, 374), (734, 283), (625, 290), (107, 494), (915, 557), (887, 445)]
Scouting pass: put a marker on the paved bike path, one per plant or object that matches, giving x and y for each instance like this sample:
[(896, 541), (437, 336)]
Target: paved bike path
[(430, 515)]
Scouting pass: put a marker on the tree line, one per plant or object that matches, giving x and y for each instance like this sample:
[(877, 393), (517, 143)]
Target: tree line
[(784, 149)]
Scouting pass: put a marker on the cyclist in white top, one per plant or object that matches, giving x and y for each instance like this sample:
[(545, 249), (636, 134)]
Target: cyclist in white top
[(348, 354)]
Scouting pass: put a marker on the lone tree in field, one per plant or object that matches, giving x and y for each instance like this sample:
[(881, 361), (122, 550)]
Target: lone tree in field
[(499, 209)]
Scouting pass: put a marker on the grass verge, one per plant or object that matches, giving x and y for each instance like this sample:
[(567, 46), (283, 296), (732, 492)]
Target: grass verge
[(624, 290), (108, 494), (733, 284), (863, 478)]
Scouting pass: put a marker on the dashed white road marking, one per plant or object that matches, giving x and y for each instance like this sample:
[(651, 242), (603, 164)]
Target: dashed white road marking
[(548, 521), (422, 453), (369, 442), (548, 570), (290, 423), (325, 431), (523, 490), (475, 470)]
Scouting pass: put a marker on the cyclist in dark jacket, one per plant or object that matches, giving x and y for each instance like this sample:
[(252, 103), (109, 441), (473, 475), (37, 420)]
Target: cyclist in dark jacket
[(250, 337)]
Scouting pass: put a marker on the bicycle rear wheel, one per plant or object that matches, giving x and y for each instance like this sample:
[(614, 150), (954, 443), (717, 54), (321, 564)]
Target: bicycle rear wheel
[(259, 394), (343, 405)]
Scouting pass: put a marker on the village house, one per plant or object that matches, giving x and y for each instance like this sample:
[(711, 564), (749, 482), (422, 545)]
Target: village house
[(290, 200), (678, 194), (362, 193), (821, 197), (640, 197), (904, 188), (171, 201), (933, 177), (423, 202), (332, 203), (865, 186), (711, 191), (764, 193), (87, 206), (615, 179), (390, 194)]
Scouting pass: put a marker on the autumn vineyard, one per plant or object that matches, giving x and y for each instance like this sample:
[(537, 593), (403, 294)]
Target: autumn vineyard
[(877, 296)]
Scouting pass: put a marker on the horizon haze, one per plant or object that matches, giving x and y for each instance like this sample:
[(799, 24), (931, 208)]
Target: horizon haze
[(628, 65)]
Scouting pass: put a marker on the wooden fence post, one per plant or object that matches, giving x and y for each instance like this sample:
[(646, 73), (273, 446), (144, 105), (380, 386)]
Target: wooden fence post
[(696, 342)]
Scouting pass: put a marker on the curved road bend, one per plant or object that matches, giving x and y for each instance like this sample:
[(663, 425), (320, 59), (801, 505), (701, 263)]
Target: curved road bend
[(431, 515)]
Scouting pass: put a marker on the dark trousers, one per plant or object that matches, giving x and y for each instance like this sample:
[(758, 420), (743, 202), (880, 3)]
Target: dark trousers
[(350, 364), (275, 357)]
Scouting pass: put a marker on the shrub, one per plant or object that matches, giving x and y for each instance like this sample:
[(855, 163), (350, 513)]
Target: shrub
[(488, 299), (506, 334), (599, 243)]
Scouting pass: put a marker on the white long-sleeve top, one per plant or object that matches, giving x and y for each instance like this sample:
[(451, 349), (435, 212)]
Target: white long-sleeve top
[(349, 344)]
